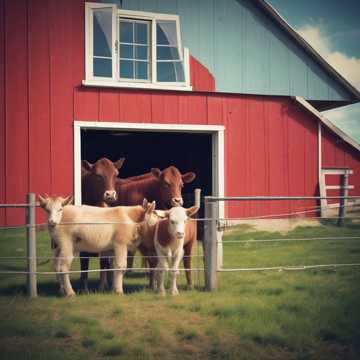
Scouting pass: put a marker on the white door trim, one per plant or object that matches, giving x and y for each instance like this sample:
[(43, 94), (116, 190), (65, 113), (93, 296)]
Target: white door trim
[(217, 132)]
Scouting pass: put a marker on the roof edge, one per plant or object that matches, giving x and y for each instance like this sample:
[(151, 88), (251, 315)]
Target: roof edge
[(308, 107), (307, 47)]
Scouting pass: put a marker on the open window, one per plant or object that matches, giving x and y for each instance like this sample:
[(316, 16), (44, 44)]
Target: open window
[(134, 49)]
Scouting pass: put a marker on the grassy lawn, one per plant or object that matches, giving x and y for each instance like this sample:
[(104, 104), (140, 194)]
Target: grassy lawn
[(313, 314)]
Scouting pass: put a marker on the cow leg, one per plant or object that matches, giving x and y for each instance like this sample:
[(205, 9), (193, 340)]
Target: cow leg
[(57, 266), (152, 261), (187, 264), (84, 266), (162, 264), (104, 265), (174, 270), (130, 260), (120, 252)]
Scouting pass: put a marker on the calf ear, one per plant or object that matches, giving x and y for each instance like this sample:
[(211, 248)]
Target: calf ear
[(118, 164), (43, 202), (68, 200), (188, 177), (152, 206), (145, 203), (156, 172), (192, 211), (86, 165)]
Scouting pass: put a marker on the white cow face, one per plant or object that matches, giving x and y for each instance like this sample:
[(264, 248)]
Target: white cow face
[(177, 219), (54, 208)]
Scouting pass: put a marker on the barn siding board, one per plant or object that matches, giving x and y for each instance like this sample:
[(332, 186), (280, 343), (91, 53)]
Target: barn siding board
[(165, 108), (2, 114), (86, 104), (61, 88), (39, 101), (17, 130), (108, 105)]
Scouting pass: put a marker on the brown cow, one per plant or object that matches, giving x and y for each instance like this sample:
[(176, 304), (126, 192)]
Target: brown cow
[(98, 189), (165, 188)]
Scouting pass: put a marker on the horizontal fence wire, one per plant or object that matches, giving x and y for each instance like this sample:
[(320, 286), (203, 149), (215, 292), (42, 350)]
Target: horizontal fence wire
[(94, 270), (290, 268), (290, 239)]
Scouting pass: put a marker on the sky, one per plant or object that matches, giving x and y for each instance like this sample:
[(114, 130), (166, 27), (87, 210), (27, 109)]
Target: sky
[(332, 27)]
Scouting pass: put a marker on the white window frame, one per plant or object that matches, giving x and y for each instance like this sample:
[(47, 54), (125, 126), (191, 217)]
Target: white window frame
[(116, 81)]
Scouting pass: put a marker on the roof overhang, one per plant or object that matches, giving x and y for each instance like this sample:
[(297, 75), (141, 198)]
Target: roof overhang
[(324, 121), (275, 16)]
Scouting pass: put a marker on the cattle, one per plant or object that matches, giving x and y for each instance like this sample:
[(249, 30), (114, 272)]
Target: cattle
[(93, 229), (169, 238), (164, 187), (98, 189)]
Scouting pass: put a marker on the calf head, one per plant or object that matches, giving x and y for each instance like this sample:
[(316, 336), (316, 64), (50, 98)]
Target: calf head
[(99, 182), (177, 217), (171, 182), (54, 207)]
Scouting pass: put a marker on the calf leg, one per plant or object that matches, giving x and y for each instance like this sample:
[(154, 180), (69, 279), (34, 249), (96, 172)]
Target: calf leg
[(120, 252), (174, 271), (187, 264), (63, 265)]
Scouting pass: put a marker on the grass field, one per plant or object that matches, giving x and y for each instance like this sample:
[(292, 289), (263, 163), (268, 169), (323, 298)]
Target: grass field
[(313, 314)]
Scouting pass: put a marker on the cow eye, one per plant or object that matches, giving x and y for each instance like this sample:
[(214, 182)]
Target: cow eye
[(60, 210)]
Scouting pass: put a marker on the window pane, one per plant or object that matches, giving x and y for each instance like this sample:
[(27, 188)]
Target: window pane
[(141, 33), (126, 52), (167, 53), (141, 70), (166, 33), (102, 67), (170, 72), (126, 69), (141, 52), (126, 32), (102, 30)]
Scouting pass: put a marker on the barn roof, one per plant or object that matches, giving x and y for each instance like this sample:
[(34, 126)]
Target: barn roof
[(324, 121), (264, 5)]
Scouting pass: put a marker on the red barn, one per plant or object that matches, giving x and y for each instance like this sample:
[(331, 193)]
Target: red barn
[(225, 89)]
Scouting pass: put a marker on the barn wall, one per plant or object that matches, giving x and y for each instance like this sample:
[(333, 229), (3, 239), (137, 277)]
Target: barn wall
[(270, 144), (336, 153)]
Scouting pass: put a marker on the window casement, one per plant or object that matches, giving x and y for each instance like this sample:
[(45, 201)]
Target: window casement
[(134, 49)]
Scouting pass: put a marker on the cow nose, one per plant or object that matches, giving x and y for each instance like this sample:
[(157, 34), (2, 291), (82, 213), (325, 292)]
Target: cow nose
[(110, 195), (179, 234), (51, 222), (177, 201)]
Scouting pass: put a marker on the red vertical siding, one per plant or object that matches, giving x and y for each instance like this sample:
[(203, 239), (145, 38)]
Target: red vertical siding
[(2, 112), (39, 101), (61, 89), (16, 87)]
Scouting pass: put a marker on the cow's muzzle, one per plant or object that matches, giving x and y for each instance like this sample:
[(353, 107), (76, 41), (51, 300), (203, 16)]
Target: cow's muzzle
[(110, 195), (177, 202)]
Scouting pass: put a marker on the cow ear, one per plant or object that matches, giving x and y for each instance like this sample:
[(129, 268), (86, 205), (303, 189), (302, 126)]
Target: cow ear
[(118, 164), (156, 172), (152, 206), (192, 211), (68, 200), (43, 201), (188, 177), (86, 165)]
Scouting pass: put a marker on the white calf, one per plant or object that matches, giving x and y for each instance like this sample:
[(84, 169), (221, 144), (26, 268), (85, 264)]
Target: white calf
[(92, 229), (169, 242)]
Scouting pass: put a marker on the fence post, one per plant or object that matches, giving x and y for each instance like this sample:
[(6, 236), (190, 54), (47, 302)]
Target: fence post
[(197, 195), (210, 245), (343, 202), (31, 245)]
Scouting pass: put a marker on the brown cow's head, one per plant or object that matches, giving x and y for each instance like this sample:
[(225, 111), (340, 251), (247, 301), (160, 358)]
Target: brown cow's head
[(100, 179), (171, 183)]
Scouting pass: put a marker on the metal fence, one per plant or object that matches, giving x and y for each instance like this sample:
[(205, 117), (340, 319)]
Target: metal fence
[(216, 222)]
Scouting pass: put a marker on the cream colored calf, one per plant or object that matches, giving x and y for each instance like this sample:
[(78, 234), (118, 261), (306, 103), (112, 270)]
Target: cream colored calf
[(169, 243), (92, 229)]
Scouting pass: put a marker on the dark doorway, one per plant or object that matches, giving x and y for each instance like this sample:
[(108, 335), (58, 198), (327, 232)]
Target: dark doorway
[(144, 150)]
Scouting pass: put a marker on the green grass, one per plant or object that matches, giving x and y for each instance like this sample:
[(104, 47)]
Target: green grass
[(300, 315)]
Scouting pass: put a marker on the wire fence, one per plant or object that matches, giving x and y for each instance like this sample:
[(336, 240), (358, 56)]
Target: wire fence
[(230, 243)]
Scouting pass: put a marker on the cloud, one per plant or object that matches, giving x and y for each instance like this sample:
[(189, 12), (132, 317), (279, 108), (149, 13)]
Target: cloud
[(347, 66), (346, 118)]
